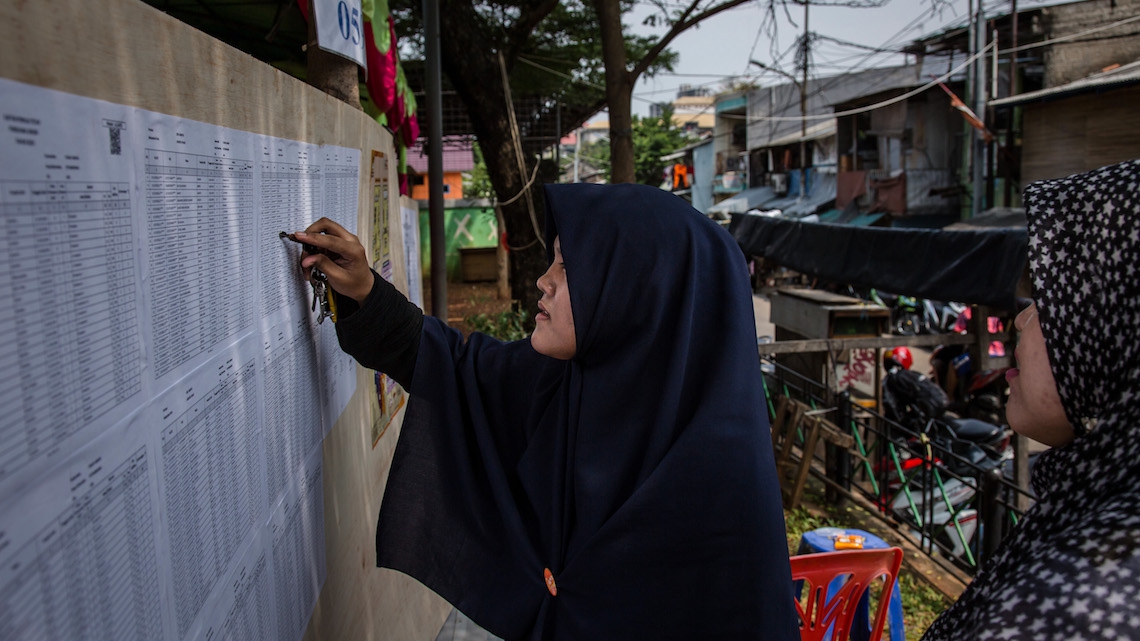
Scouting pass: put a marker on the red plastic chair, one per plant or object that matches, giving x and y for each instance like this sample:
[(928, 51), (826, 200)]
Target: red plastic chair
[(826, 611)]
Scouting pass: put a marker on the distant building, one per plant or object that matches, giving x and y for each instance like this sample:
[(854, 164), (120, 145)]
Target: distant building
[(577, 164), (694, 110), (1085, 114), (458, 158)]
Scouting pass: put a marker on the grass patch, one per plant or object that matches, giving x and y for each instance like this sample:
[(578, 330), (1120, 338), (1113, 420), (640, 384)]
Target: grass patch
[(921, 602), (508, 325)]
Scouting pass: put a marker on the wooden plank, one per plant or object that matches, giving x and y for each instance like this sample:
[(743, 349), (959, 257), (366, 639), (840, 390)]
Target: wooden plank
[(782, 410), (831, 433), (838, 344), (789, 432), (811, 439)]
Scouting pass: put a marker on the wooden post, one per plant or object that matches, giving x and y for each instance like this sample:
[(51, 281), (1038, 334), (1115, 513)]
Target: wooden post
[(335, 75)]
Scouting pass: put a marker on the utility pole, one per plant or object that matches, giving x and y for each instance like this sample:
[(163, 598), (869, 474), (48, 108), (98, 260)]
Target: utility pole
[(1012, 120), (433, 68), (979, 89), (805, 51), (577, 148)]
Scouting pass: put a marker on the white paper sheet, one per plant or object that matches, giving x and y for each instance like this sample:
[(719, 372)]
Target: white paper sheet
[(292, 421), (411, 221), (78, 553), (73, 351), (243, 610), (298, 550), (210, 473), (290, 200), (165, 380), (200, 206)]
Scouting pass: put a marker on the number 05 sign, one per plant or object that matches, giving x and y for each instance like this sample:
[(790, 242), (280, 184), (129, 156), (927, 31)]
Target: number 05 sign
[(340, 28)]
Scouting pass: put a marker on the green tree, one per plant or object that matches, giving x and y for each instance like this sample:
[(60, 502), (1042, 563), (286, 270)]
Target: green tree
[(625, 66), (477, 184), (653, 137), (542, 44)]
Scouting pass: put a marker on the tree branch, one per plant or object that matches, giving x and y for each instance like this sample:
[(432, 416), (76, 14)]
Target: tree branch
[(530, 15), (680, 27)]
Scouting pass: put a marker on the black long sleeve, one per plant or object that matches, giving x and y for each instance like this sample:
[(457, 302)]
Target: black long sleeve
[(383, 333)]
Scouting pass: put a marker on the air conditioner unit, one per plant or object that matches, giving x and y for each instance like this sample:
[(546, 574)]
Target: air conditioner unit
[(779, 183)]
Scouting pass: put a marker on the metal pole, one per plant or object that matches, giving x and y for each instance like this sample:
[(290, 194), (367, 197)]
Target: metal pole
[(991, 525), (839, 458), (435, 161), (803, 109), (979, 89), (558, 137), (577, 148), (1012, 112)]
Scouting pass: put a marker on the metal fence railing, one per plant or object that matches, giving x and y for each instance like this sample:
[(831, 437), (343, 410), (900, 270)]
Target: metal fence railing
[(953, 508)]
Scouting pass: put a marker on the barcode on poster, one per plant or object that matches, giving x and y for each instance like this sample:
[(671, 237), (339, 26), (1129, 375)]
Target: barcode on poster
[(115, 129)]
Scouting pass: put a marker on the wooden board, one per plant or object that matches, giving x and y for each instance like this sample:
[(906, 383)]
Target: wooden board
[(125, 52), (1094, 130)]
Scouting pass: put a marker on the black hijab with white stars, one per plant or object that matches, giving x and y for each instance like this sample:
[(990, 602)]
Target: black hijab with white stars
[(1071, 569)]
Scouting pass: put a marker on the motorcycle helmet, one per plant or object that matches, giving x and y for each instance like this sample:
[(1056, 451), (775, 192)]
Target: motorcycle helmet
[(900, 355)]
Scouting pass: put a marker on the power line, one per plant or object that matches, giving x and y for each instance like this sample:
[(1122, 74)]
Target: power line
[(878, 105)]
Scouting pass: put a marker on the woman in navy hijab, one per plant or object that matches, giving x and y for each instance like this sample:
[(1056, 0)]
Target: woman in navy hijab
[(611, 477)]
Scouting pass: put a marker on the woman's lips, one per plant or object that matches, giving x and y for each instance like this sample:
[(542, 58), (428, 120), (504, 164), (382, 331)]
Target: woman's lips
[(1011, 374)]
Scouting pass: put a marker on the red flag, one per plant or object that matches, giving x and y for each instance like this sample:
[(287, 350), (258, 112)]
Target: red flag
[(969, 115)]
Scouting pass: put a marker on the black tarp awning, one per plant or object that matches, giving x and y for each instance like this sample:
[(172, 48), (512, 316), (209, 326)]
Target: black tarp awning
[(970, 266)]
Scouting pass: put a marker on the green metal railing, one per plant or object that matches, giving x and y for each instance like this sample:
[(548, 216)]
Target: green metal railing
[(884, 448)]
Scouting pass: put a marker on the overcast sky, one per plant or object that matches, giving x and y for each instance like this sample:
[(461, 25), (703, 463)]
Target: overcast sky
[(722, 46)]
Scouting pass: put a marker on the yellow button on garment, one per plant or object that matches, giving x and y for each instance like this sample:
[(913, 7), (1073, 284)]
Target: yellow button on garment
[(550, 584)]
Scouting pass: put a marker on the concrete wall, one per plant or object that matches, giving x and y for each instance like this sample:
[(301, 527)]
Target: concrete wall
[(1069, 61), (127, 53), (783, 100)]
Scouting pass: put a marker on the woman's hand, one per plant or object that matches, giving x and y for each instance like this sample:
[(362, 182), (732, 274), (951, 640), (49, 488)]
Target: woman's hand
[(342, 259)]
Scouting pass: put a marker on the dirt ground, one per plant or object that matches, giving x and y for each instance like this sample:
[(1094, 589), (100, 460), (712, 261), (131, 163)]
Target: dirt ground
[(469, 299)]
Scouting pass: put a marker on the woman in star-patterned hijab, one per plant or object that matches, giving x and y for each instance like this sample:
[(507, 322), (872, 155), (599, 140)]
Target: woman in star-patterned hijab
[(1071, 568)]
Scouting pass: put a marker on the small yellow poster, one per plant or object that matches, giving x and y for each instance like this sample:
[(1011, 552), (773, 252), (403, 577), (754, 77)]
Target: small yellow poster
[(390, 397)]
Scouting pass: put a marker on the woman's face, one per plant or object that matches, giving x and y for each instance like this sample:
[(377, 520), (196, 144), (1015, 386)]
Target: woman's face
[(1034, 407), (554, 324)]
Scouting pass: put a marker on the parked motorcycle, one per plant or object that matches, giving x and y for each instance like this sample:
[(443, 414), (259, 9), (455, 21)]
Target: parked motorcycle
[(955, 524), (978, 395), (917, 474), (939, 317), (911, 315), (918, 403), (906, 319)]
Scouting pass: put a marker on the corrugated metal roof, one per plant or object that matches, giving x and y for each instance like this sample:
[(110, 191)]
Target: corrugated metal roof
[(457, 156), (814, 132), (745, 200), (1121, 76)]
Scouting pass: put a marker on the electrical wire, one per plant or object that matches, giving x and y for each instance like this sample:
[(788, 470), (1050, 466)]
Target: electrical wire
[(886, 103), (1072, 36)]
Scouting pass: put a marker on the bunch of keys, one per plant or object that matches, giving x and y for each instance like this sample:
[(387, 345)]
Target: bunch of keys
[(323, 295)]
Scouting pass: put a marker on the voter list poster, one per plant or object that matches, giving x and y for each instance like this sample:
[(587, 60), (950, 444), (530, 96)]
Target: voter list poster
[(166, 387)]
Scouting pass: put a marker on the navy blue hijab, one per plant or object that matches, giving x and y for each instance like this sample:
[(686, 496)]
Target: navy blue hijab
[(640, 473)]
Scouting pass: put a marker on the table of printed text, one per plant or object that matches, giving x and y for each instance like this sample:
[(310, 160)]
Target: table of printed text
[(210, 456), (290, 197), (92, 573), (72, 333), (201, 215)]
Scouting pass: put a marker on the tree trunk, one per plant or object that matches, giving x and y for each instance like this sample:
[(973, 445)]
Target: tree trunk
[(619, 91), (478, 81), (332, 74), (527, 255)]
